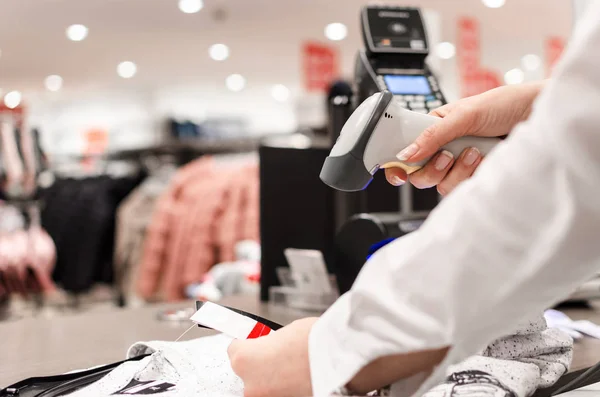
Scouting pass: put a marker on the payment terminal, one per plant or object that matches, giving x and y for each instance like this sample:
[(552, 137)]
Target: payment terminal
[(396, 48)]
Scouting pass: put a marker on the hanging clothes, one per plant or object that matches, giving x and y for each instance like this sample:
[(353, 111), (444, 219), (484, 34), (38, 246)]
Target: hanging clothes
[(209, 206), (27, 253), (11, 159), (134, 215), (79, 215)]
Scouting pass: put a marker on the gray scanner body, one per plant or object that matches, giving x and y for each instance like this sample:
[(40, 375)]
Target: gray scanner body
[(372, 137)]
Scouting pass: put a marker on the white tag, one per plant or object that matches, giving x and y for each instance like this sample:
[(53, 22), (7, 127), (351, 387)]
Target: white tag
[(557, 319), (586, 327), (224, 320), (309, 270)]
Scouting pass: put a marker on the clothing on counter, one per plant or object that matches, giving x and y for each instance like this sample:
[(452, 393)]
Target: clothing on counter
[(208, 208), (516, 238), (198, 367), (79, 215), (514, 366)]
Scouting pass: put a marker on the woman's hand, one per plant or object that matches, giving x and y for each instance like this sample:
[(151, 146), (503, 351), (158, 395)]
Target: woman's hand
[(493, 113), (276, 364)]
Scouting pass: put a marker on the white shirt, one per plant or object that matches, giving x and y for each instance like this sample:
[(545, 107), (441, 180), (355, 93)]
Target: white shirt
[(195, 368), (520, 235)]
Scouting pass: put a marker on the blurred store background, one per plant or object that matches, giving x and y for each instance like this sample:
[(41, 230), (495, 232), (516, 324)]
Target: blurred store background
[(238, 65), (140, 121)]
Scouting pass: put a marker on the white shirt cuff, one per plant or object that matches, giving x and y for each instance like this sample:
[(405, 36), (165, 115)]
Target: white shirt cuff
[(333, 362)]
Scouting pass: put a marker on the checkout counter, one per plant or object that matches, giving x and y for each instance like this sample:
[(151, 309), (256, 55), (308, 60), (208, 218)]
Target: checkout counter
[(49, 346)]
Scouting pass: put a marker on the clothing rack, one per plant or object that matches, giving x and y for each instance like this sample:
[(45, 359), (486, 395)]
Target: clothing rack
[(191, 148), (27, 250), (180, 152)]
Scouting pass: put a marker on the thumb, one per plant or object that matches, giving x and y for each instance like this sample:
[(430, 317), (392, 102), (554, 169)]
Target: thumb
[(429, 142), (234, 348)]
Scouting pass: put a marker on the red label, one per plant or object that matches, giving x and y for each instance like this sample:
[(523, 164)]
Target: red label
[(320, 66), (258, 331), (554, 49)]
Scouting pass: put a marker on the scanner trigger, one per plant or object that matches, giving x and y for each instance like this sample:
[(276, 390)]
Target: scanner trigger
[(374, 169)]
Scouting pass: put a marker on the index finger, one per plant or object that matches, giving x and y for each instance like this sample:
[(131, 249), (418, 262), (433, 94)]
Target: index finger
[(449, 127)]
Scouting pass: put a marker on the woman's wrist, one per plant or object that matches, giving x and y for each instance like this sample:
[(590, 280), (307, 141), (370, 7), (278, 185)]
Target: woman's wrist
[(389, 369), (528, 94)]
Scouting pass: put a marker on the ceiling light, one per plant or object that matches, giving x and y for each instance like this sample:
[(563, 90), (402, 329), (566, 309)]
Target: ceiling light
[(53, 83), (336, 31), (280, 93), (531, 62), (493, 3), (190, 6), (12, 99), (218, 52), (235, 82), (77, 32), (445, 50), (126, 69), (514, 76)]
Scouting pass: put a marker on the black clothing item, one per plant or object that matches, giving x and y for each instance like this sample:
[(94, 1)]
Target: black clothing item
[(60, 385), (79, 215)]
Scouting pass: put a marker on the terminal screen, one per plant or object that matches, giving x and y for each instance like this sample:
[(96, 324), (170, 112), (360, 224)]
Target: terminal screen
[(407, 85)]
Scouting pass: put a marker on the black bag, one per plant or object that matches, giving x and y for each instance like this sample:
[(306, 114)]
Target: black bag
[(60, 385)]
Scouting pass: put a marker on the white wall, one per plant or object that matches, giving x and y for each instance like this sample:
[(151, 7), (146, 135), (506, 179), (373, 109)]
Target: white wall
[(136, 118)]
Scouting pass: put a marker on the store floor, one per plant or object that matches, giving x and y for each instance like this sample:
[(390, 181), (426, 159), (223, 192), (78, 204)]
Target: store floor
[(50, 346)]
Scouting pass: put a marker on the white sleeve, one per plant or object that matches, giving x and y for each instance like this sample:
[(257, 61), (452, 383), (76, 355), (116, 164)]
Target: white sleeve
[(517, 237)]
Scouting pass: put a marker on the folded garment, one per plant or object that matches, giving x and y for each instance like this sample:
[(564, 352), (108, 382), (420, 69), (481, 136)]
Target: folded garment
[(198, 367), (534, 357), (514, 366)]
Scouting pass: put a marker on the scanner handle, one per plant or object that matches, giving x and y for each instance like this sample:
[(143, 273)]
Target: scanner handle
[(398, 133), (456, 147)]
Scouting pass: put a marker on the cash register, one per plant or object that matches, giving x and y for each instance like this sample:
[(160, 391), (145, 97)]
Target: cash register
[(394, 58)]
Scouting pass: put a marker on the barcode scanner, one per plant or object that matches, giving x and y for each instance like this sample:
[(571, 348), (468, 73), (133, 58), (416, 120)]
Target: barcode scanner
[(372, 137)]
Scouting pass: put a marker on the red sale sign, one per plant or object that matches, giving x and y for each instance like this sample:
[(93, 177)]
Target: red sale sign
[(554, 49), (17, 113), (320, 65), (95, 144), (473, 78)]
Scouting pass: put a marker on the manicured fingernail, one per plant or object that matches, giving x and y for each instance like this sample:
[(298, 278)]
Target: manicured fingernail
[(408, 152), (396, 181), (443, 160), (471, 156)]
